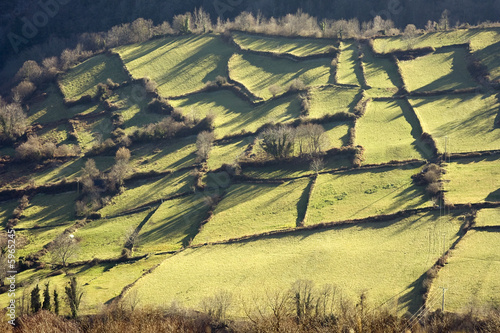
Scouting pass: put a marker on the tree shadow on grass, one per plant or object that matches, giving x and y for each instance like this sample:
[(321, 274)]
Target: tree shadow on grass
[(493, 196)]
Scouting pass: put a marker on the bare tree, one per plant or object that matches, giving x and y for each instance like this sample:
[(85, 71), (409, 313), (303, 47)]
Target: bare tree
[(410, 35), (120, 170), (63, 248), (217, 306), (13, 122), (317, 164), (204, 144), (275, 90), (311, 139), (278, 142)]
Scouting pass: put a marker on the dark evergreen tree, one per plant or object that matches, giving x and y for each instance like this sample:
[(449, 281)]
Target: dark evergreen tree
[(56, 302), (46, 298), (35, 299)]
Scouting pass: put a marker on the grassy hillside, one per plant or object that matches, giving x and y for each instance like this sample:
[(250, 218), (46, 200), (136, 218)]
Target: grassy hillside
[(473, 180), (467, 121), (488, 217), (380, 72), (258, 73), (358, 194), (477, 253), (348, 69), (233, 115), (84, 78), (178, 65), (342, 256), (332, 100), (442, 70), (256, 208), (296, 47), (400, 137)]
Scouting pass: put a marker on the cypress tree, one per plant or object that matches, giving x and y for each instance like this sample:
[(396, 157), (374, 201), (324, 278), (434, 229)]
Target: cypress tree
[(46, 298), (35, 299)]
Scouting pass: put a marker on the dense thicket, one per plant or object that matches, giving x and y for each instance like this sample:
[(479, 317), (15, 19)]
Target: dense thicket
[(80, 16)]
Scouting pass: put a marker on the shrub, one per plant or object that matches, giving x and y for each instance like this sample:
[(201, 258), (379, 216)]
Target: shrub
[(35, 150), (278, 142), (204, 144), (220, 80), (434, 188), (150, 85), (24, 90), (296, 85), (13, 122), (275, 90)]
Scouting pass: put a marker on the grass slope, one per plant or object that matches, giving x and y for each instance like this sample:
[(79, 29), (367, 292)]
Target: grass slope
[(256, 208), (173, 225), (142, 192), (332, 100), (348, 70), (297, 47), (400, 137), (258, 72), (473, 180), (294, 170), (47, 210), (441, 70), (106, 238), (84, 78), (381, 72), (471, 275), (489, 217), (468, 121), (178, 65), (233, 115), (363, 193), (163, 156), (343, 257), (227, 153)]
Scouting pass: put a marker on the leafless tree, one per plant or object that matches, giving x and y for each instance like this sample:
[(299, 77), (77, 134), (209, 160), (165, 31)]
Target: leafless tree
[(275, 90), (204, 144), (13, 121), (63, 248), (279, 142), (217, 306)]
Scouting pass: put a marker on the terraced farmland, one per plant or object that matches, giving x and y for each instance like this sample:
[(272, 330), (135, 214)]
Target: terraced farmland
[(398, 180)]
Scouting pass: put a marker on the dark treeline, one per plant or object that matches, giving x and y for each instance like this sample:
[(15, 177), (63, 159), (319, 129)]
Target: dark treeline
[(69, 17)]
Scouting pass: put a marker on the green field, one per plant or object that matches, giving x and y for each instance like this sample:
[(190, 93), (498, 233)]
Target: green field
[(37, 238), (142, 192), (381, 72), (473, 180), (6, 210), (132, 104), (344, 257), (228, 152), (233, 115), (332, 100), (100, 283), (84, 78), (337, 133), (178, 65), (348, 70), (295, 170), (106, 238), (400, 137), (442, 70), (477, 37), (93, 132), (69, 170), (359, 194), (52, 109), (173, 225), (258, 73), (489, 217), (47, 210), (58, 135), (296, 46), (462, 123), (256, 208), (471, 275)]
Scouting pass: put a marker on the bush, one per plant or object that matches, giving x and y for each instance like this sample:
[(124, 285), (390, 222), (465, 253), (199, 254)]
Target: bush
[(13, 122), (35, 150), (24, 90), (204, 144), (296, 85), (275, 90), (434, 188)]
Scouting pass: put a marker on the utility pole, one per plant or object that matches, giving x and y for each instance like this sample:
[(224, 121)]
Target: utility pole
[(442, 302)]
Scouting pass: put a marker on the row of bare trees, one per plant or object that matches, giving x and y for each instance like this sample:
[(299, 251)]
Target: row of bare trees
[(285, 141)]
